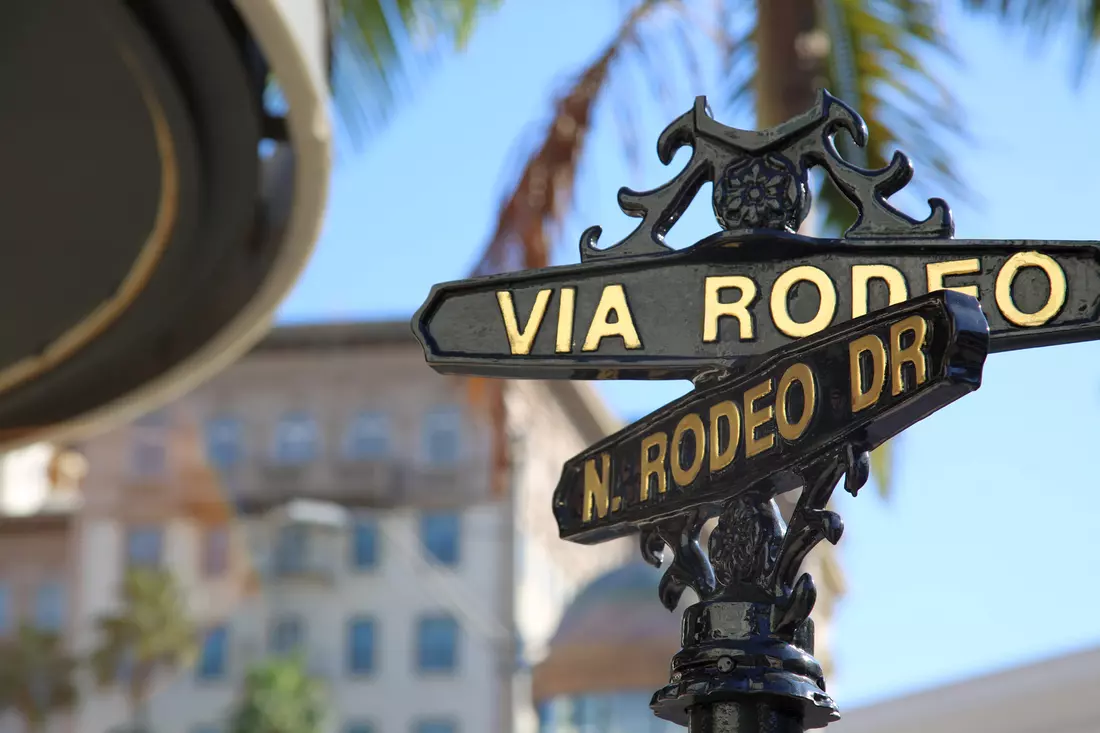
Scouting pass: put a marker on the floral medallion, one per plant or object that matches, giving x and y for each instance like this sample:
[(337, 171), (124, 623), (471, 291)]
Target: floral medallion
[(759, 193)]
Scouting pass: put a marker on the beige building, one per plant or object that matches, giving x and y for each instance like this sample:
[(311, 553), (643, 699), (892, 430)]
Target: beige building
[(330, 493), (1054, 695)]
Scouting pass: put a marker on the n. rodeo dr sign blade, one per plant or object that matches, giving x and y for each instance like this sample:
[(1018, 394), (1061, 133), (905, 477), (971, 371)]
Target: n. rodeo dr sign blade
[(640, 310), (857, 383)]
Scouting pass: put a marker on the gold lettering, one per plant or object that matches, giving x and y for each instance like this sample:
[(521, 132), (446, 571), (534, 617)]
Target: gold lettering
[(520, 341), (654, 466), (862, 275), (795, 373), (612, 300), (689, 423), (871, 344), (719, 458), (826, 308), (714, 309), (566, 302), (596, 488), (756, 418), (937, 271), (909, 355), (1055, 276)]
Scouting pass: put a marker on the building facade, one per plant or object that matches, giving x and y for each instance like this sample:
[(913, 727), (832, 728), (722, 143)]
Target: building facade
[(1053, 695), (330, 495)]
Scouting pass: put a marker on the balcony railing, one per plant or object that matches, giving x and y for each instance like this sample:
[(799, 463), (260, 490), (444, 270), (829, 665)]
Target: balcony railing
[(285, 473), (314, 566), (444, 483), (365, 482), (362, 483)]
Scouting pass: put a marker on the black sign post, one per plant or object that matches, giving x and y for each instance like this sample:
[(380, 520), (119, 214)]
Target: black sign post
[(806, 354)]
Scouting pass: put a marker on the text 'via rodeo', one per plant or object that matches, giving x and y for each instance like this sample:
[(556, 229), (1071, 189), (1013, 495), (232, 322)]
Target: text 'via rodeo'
[(738, 297)]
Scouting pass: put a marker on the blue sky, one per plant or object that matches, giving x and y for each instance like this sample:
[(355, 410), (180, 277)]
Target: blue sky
[(983, 558)]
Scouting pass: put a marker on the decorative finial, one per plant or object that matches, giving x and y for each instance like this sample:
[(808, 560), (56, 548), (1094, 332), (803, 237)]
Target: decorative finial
[(761, 181)]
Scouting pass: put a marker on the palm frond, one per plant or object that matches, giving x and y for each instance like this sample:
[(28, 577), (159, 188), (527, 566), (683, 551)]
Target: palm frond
[(905, 105), (278, 696), (882, 468), (150, 631), (528, 219), (889, 45), (381, 45), (37, 676), (1042, 19), (879, 55)]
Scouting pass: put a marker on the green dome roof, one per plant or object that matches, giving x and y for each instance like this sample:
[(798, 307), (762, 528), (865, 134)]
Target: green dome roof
[(620, 606)]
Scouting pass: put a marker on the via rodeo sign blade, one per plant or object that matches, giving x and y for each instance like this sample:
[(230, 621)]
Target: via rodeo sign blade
[(641, 310), (855, 384)]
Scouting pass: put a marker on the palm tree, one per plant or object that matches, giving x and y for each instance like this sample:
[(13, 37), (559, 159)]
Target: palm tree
[(278, 696), (873, 53), (381, 44), (37, 676), (150, 633)]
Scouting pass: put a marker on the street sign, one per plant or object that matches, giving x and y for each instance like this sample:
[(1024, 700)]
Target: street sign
[(806, 355), (641, 310), (858, 383), (678, 313)]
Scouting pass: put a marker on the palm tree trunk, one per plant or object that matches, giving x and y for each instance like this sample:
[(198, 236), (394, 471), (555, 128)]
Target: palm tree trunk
[(32, 721), (140, 721), (139, 702), (792, 58), (792, 52)]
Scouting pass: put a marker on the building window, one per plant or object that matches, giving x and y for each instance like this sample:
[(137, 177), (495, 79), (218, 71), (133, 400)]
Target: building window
[(292, 549), (286, 635), (144, 546), (212, 661), (224, 442), (49, 606), (215, 552), (5, 609), (442, 435), (206, 728), (440, 535), (361, 646), (364, 544), (545, 712), (368, 436), (588, 712), (435, 726), (437, 644), (150, 453), (358, 726), (297, 438)]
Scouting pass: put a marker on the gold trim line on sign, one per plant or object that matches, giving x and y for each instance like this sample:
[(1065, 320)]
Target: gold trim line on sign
[(106, 313)]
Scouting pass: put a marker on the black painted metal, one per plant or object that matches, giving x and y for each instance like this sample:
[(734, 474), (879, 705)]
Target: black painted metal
[(799, 373), (955, 348), (761, 196), (750, 638), (463, 333)]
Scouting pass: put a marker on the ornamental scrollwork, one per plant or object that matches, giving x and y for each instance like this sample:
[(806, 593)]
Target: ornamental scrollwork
[(760, 181)]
